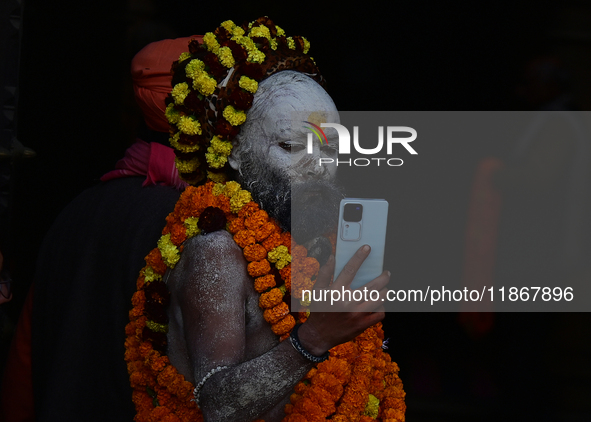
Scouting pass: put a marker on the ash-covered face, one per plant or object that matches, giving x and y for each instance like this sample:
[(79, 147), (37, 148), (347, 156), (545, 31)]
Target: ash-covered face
[(272, 160)]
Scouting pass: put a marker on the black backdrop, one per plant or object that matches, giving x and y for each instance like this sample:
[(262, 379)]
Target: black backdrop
[(75, 112)]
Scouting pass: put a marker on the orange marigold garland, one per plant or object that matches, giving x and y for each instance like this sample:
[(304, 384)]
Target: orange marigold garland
[(358, 383)]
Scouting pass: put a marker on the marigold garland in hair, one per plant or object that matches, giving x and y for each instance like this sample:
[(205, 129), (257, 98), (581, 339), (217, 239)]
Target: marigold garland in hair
[(214, 84)]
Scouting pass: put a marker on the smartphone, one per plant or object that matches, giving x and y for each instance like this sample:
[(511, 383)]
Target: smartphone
[(362, 222)]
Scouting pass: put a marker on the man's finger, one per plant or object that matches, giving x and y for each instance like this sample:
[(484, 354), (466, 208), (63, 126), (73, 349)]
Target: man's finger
[(350, 269), (325, 274)]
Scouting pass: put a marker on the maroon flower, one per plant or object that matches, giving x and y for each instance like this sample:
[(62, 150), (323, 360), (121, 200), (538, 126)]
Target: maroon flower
[(156, 312), (252, 70), (212, 219), (222, 34), (215, 67), (158, 340), (241, 99), (193, 102), (224, 129), (194, 46), (238, 52)]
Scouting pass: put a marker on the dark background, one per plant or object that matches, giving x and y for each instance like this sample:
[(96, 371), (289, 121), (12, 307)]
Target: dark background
[(76, 111)]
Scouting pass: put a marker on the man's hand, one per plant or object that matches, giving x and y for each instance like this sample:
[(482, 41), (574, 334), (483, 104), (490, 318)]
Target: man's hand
[(325, 330)]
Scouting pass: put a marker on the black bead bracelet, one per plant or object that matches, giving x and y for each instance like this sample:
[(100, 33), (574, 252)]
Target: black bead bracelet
[(295, 342)]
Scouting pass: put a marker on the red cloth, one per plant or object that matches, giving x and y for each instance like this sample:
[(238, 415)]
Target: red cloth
[(150, 70), (153, 160), (17, 384)]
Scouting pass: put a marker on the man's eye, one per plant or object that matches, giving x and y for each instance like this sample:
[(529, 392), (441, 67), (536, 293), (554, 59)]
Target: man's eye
[(287, 146)]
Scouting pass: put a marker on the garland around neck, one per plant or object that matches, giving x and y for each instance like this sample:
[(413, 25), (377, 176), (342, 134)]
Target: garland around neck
[(359, 382)]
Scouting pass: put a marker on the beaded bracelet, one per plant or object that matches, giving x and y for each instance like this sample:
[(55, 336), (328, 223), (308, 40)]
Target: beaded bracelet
[(199, 386), (295, 342)]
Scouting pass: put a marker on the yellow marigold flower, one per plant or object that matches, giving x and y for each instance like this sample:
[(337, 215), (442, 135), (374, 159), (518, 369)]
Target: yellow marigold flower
[(216, 177), (238, 31), (273, 44), (248, 84), (225, 56), (229, 25), (214, 160), (239, 199), (283, 288), (189, 126), (180, 92), (260, 31), (159, 328), (218, 189), (280, 256), (194, 67), (174, 142), (231, 188), (172, 114), (220, 147), (245, 42), (372, 407), (280, 32), (184, 56), (256, 56), (235, 117), (204, 83), (306, 45), (290, 43), (211, 42), (191, 226), (170, 253), (186, 166), (150, 275)]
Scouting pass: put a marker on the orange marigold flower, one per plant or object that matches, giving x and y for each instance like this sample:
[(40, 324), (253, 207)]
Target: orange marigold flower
[(298, 251), (300, 388), (286, 240), (255, 252), (256, 220), (265, 231), (236, 225), (272, 241), (138, 298), (298, 283), (323, 399), (271, 298), (248, 209), (275, 314), (264, 283), (284, 326), (259, 268), (288, 408), (310, 266), (244, 238), (311, 373), (154, 260), (178, 234), (294, 398)]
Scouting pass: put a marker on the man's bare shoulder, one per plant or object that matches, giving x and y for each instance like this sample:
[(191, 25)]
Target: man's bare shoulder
[(210, 260)]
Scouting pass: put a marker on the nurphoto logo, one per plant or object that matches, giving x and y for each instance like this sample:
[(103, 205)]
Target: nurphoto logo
[(345, 144)]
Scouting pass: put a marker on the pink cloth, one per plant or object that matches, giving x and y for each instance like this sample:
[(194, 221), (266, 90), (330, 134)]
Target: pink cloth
[(155, 161)]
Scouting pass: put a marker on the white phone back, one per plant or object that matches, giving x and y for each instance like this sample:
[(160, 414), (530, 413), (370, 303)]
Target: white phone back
[(373, 233)]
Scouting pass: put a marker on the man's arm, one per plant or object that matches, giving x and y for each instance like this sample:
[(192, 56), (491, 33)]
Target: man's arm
[(209, 288)]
